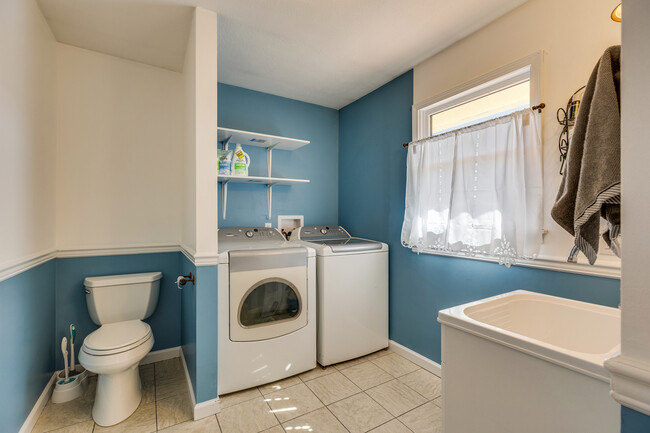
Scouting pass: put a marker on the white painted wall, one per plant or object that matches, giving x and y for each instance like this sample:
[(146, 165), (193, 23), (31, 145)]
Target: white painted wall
[(631, 369), (120, 150), (573, 35), (188, 238), (27, 132), (200, 77)]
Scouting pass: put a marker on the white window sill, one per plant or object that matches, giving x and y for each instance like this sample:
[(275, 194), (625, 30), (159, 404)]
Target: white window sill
[(607, 265)]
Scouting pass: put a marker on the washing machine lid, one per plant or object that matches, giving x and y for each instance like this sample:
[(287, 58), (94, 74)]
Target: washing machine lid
[(117, 337), (352, 245)]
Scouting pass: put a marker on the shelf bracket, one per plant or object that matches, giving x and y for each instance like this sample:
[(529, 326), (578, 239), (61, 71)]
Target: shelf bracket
[(224, 197), (224, 145), (269, 194)]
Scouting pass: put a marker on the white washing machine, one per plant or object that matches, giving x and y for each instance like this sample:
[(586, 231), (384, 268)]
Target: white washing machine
[(352, 292), (267, 308)]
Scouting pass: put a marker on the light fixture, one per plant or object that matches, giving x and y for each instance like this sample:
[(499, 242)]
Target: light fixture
[(616, 13)]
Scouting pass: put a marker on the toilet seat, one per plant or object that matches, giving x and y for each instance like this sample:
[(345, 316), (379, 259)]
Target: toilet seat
[(115, 338)]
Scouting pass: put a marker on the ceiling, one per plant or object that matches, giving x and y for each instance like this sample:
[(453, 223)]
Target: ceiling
[(327, 52)]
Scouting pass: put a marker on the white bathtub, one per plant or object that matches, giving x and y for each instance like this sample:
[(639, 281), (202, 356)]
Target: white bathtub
[(527, 363)]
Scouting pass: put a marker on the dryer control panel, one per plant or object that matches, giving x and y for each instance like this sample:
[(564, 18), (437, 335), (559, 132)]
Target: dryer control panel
[(250, 233)]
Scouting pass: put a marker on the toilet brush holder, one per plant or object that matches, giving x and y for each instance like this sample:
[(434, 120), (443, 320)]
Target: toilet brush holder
[(73, 388)]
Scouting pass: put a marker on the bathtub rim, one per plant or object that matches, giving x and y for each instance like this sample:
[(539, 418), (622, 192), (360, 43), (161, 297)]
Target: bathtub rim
[(585, 363)]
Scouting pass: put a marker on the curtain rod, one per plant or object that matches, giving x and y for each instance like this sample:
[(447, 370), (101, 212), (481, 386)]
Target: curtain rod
[(539, 109)]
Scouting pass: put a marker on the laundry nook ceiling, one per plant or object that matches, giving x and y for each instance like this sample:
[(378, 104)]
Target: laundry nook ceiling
[(327, 52)]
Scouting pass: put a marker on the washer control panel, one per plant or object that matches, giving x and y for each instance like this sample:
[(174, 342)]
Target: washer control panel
[(250, 233), (316, 233)]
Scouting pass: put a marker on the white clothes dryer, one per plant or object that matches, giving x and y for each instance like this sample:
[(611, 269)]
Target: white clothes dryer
[(352, 292), (267, 308)]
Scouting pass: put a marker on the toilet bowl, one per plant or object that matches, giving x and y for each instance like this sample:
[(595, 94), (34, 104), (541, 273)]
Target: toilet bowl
[(114, 352), (118, 303)]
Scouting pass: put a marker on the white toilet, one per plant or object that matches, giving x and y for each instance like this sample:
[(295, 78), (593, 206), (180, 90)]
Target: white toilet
[(118, 303)]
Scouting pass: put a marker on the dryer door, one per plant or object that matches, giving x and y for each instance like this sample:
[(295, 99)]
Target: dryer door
[(268, 293)]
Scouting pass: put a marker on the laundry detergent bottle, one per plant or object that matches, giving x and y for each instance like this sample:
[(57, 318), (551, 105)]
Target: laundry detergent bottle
[(240, 162)]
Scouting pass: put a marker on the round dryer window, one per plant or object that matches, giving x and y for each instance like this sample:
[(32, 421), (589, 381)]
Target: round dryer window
[(269, 302)]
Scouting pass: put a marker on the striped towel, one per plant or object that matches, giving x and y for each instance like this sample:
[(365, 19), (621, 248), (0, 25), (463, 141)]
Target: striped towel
[(591, 186)]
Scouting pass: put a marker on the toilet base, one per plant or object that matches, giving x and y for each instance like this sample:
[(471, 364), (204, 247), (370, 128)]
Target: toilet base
[(118, 395)]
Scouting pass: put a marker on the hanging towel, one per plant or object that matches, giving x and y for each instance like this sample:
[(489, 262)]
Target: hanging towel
[(591, 186)]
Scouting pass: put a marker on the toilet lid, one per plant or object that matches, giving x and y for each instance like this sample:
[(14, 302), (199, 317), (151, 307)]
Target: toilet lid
[(117, 337)]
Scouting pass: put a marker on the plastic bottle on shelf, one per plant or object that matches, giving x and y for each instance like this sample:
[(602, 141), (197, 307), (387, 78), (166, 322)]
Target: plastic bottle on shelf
[(240, 162)]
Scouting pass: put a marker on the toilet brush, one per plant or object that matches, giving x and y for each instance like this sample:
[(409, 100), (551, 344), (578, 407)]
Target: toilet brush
[(64, 350), (73, 335)]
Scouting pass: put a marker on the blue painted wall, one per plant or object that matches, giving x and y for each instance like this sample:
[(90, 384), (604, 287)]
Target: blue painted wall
[(188, 320), (318, 161), (372, 182), (633, 421), (199, 329), (28, 342), (70, 301), (206, 333)]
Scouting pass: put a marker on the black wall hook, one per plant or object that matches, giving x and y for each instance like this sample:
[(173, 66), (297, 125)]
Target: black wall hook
[(186, 278)]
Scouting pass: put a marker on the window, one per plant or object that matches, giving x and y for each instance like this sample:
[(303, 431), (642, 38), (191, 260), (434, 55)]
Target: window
[(494, 104), (474, 186), (505, 90)]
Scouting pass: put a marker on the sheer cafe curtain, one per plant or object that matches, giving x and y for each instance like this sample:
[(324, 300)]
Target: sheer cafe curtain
[(477, 191)]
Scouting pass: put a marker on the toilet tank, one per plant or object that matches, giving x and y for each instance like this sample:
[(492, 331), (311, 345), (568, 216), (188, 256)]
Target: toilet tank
[(117, 298)]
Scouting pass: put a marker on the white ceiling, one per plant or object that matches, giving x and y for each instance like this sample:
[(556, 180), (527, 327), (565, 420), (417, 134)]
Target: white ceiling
[(328, 52)]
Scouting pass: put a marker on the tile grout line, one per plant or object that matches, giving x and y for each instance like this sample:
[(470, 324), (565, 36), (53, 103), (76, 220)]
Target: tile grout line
[(218, 423), (270, 409), (304, 382), (410, 410), (325, 406), (391, 420), (374, 386), (350, 396)]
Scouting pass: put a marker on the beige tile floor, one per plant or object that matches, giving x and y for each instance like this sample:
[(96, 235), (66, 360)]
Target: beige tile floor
[(379, 393)]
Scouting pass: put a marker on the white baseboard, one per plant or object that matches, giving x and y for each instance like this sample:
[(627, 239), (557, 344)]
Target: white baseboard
[(36, 411), (161, 355), (190, 388), (416, 358), (205, 408)]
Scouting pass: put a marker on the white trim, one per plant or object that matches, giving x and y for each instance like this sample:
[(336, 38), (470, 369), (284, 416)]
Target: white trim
[(207, 408), (15, 267), (202, 259), (206, 259), (161, 355), (548, 263), (36, 411), (203, 409), (116, 251), (187, 252), (534, 60), (416, 358), (190, 388), (630, 379), (10, 269)]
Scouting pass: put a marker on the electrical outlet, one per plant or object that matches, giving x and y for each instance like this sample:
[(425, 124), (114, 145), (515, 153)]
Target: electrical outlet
[(267, 225)]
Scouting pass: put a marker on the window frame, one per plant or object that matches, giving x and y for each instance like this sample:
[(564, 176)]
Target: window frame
[(527, 68), (609, 267)]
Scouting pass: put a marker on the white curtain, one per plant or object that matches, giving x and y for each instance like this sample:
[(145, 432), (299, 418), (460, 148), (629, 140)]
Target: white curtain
[(477, 191)]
